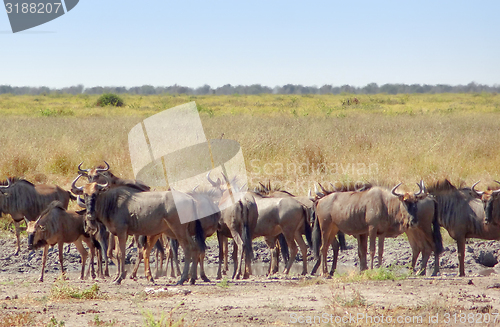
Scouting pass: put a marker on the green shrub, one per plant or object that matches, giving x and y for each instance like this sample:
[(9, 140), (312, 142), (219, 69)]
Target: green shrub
[(109, 99)]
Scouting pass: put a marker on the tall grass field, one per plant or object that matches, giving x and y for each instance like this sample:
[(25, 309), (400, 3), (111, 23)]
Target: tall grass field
[(291, 140)]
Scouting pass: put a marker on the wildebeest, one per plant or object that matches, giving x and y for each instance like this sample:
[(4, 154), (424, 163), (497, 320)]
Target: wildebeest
[(201, 228), (370, 212), (424, 237), (58, 226), (237, 221), (462, 213), (102, 174), (125, 210), (22, 199)]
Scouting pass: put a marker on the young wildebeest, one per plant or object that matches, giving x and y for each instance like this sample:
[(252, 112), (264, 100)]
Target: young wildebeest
[(463, 215), (371, 212), (127, 211), (58, 226), (22, 199)]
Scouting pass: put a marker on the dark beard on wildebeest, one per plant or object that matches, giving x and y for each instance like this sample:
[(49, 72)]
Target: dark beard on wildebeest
[(39, 244), (412, 208)]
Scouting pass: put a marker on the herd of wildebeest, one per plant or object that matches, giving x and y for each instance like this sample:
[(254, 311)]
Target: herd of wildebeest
[(114, 209)]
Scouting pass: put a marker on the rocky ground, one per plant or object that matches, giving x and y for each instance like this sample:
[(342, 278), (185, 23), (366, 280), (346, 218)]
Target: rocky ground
[(260, 300)]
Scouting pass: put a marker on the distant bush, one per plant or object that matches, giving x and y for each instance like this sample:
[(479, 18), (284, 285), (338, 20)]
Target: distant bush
[(109, 99)]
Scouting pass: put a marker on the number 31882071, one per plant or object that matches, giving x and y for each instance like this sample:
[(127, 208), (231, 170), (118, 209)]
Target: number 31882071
[(32, 8)]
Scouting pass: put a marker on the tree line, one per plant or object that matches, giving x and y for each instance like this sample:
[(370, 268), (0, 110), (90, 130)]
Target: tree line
[(228, 89)]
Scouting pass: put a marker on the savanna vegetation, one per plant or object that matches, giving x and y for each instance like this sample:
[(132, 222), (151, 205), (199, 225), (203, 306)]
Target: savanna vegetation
[(288, 139)]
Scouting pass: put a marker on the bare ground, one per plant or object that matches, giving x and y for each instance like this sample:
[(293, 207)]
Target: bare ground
[(279, 300)]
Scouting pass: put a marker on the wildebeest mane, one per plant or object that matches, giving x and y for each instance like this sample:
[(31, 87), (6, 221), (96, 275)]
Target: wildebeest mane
[(451, 205), (14, 180)]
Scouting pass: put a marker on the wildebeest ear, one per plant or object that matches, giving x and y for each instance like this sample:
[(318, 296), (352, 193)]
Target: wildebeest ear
[(42, 228)]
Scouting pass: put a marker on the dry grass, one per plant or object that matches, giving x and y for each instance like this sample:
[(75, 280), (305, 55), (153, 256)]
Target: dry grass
[(290, 140)]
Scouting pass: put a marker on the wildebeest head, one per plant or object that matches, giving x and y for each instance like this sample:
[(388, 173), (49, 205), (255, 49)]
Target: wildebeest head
[(488, 197), (410, 200), (90, 192), (94, 175), (36, 234)]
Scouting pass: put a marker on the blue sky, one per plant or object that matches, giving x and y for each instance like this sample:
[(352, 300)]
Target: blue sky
[(192, 43)]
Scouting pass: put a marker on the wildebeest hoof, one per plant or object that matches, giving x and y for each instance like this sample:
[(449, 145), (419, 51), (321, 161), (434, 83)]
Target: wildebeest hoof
[(192, 281), (117, 282), (205, 279)]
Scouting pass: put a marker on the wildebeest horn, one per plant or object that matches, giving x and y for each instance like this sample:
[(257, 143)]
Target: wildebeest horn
[(26, 220), (496, 191), (323, 189), (103, 169), (210, 180), (103, 186), (8, 184), (479, 193), (316, 191), (82, 171), (75, 189), (264, 187), (80, 202), (393, 191), (421, 186)]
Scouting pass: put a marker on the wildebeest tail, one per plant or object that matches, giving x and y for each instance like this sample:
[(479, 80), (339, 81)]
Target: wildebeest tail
[(71, 196), (436, 232), (142, 240), (316, 238), (284, 248), (246, 233), (341, 239), (199, 235), (159, 247), (307, 225), (174, 245)]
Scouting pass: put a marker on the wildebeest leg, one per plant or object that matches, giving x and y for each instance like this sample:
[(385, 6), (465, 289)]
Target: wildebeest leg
[(290, 240), (234, 256), (362, 249), (226, 255), (151, 241), (237, 253), (17, 225), (138, 261), (327, 235), (381, 240), (303, 250), (220, 239), (60, 246), (44, 261), (372, 233), (122, 244), (203, 276), (187, 244), (426, 253), (111, 248), (335, 249), (83, 255), (271, 243), (436, 264), (461, 255)]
